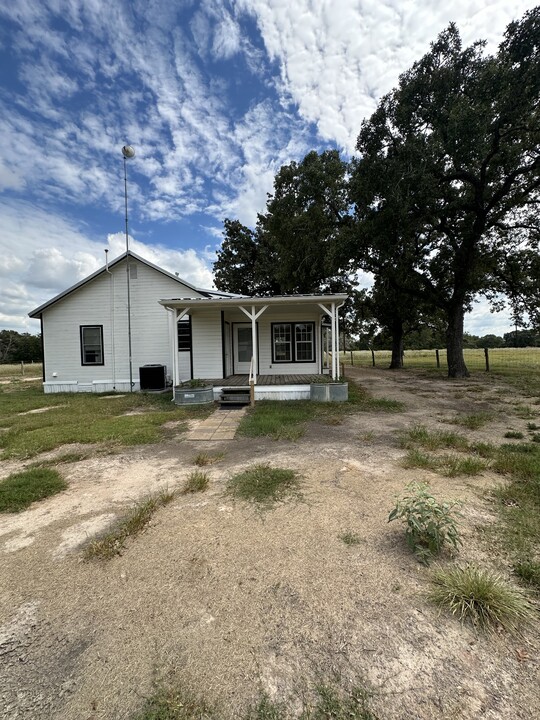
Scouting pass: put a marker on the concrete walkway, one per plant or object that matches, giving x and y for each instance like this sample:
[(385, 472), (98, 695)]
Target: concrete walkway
[(221, 425)]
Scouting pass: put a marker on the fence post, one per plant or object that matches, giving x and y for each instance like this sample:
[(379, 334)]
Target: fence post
[(352, 359), (22, 367), (373, 357), (438, 358), (486, 353)]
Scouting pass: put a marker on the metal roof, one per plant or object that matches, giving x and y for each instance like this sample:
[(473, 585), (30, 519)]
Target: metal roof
[(255, 301)]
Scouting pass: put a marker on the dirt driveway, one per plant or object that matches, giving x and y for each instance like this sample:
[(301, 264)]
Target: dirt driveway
[(232, 601)]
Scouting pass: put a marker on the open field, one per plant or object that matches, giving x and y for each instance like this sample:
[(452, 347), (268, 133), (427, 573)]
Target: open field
[(18, 371), (310, 606), (512, 360)]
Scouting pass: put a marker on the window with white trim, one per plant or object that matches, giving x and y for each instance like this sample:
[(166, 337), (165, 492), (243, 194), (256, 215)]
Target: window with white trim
[(293, 342), (92, 344)]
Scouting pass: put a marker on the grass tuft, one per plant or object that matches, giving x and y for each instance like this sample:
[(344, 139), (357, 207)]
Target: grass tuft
[(420, 435), (481, 597), (113, 541), (174, 704), (197, 481), (528, 572), (350, 538), (202, 459), (514, 435), (19, 490), (264, 485), (473, 421)]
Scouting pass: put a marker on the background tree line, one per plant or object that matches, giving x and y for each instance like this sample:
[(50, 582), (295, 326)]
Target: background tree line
[(440, 205), (19, 347)]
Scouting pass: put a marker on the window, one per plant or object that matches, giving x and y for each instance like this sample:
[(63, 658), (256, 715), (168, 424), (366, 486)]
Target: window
[(303, 338), (184, 334), (92, 344), (293, 342), (282, 343)]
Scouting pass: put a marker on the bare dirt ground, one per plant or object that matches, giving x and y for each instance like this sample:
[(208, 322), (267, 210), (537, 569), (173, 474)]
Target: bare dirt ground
[(231, 601)]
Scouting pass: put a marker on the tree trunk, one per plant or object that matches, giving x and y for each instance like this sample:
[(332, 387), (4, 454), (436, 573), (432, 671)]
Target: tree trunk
[(454, 342), (397, 344)]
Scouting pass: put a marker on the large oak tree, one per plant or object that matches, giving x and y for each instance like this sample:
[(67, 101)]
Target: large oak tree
[(449, 165)]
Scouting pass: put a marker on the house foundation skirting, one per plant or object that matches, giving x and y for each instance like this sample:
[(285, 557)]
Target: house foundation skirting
[(96, 386)]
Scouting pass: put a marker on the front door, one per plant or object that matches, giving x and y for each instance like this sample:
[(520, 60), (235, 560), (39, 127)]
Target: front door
[(242, 347)]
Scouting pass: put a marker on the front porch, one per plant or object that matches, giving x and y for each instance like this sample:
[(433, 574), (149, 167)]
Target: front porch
[(270, 387)]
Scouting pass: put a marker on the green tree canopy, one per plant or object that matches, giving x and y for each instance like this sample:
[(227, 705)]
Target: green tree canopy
[(449, 167)]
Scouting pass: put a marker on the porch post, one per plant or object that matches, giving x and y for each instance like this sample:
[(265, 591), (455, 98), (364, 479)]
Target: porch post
[(334, 344), (176, 379), (254, 316), (254, 343)]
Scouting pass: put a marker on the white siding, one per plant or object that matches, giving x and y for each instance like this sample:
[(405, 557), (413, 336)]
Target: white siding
[(286, 315), (207, 345), (103, 301)]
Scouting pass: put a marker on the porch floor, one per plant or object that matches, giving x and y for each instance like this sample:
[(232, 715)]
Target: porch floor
[(243, 380)]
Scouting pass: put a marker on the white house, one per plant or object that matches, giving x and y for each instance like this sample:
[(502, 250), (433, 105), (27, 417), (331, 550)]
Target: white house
[(182, 331)]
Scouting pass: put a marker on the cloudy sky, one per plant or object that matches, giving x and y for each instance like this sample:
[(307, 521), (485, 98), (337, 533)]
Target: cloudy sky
[(214, 95)]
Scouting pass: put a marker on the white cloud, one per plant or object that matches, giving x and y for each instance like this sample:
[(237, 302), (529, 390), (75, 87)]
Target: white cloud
[(53, 254), (338, 57)]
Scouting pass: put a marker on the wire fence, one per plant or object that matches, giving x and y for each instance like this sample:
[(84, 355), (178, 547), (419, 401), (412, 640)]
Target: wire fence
[(492, 359)]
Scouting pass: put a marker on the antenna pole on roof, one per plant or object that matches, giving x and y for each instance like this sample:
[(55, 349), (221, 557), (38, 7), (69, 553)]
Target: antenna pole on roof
[(128, 152)]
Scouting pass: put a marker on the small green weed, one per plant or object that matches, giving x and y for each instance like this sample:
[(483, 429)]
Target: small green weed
[(132, 523), (533, 426), (430, 524), (514, 435), (481, 597), (19, 490), (535, 437), (197, 481), (350, 538), (264, 485)]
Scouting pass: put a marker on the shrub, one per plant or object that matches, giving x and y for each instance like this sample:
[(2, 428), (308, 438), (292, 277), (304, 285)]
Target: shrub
[(430, 524), (481, 597)]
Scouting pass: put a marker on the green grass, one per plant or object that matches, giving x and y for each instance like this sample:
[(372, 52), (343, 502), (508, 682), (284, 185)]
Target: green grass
[(528, 571), (82, 418), (326, 702), (197, 481), (473, 421), (175, 704), (286, 420), (264, 485), (481, 597), (446, 465), (113, 541), (19, 490), (434, 440), (514, 435)]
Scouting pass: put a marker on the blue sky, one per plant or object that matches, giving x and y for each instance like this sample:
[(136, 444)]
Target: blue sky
[(214, 96)]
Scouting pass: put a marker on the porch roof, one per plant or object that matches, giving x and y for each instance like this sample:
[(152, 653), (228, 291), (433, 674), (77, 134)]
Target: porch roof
[(176, 303)]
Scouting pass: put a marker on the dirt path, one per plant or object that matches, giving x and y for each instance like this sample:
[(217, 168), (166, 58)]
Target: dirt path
[(230, 600)]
